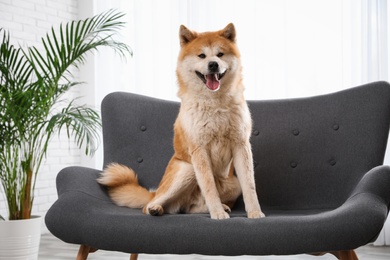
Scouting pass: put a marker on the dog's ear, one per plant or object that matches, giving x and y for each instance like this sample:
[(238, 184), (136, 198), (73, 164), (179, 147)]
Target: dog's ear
[(186, 35), (229, 32)]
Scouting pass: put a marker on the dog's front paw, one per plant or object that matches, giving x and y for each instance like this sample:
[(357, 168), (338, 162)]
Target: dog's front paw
[(219, 215), (155, 210), (256, 214)]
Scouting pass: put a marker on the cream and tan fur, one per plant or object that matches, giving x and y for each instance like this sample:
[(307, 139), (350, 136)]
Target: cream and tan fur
[(211, 137)]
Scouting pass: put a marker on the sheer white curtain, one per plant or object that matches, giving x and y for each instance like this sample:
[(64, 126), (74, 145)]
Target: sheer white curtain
[(290, 48)]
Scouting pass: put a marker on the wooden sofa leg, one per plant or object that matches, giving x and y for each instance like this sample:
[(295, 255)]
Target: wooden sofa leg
[(346, 255), (84, 252), (133, 256), (341, 255)]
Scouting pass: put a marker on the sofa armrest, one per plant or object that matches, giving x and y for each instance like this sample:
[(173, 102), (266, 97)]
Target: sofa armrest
[(375, 182), (81, 179)]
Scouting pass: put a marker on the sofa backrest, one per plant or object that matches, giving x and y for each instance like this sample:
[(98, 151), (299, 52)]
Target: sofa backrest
[(308, 152), (138, 132)]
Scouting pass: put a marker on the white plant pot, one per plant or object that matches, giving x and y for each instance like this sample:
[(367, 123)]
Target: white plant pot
[(19, 239)]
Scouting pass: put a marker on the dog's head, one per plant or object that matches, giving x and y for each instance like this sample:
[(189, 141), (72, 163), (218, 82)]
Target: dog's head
[(208, 61)]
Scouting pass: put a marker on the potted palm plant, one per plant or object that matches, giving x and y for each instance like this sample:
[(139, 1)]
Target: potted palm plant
[(34, 102)]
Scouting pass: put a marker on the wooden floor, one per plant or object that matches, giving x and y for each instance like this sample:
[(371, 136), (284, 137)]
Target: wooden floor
[(52, 248)]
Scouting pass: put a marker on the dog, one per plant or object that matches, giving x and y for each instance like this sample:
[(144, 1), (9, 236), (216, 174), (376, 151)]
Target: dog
[(211, 137)]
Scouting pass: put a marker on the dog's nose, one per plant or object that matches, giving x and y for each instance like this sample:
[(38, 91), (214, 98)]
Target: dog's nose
[(213, 66)]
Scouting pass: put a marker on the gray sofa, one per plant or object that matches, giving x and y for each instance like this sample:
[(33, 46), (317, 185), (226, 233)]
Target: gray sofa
[(317, 168)]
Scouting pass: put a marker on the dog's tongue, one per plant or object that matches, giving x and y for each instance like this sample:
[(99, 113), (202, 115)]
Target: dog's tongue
[(212, 81)]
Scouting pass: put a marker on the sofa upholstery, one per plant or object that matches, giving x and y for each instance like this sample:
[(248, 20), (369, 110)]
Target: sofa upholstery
[(318, 171)]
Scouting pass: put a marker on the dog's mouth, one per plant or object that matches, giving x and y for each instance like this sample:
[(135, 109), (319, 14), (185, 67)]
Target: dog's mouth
[(212, 81)]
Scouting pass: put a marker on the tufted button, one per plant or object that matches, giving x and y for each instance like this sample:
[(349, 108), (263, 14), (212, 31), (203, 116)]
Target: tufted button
[(335, 127), (256, 132), (143, 128), (140, 160), (293, 164), (295, 132), (332, 162)]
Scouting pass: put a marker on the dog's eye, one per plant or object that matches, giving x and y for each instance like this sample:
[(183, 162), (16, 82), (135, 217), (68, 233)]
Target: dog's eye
[(202, 56), (220, 54)]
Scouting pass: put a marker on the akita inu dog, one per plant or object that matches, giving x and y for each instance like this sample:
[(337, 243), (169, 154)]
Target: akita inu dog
[(211, 137)]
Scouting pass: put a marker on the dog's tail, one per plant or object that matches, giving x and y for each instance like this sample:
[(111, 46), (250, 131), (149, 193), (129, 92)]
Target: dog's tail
[(124, 188)]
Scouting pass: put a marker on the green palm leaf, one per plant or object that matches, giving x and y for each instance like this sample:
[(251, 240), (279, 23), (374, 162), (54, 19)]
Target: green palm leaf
[(14, 67), (69, 47), (80, 122)]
